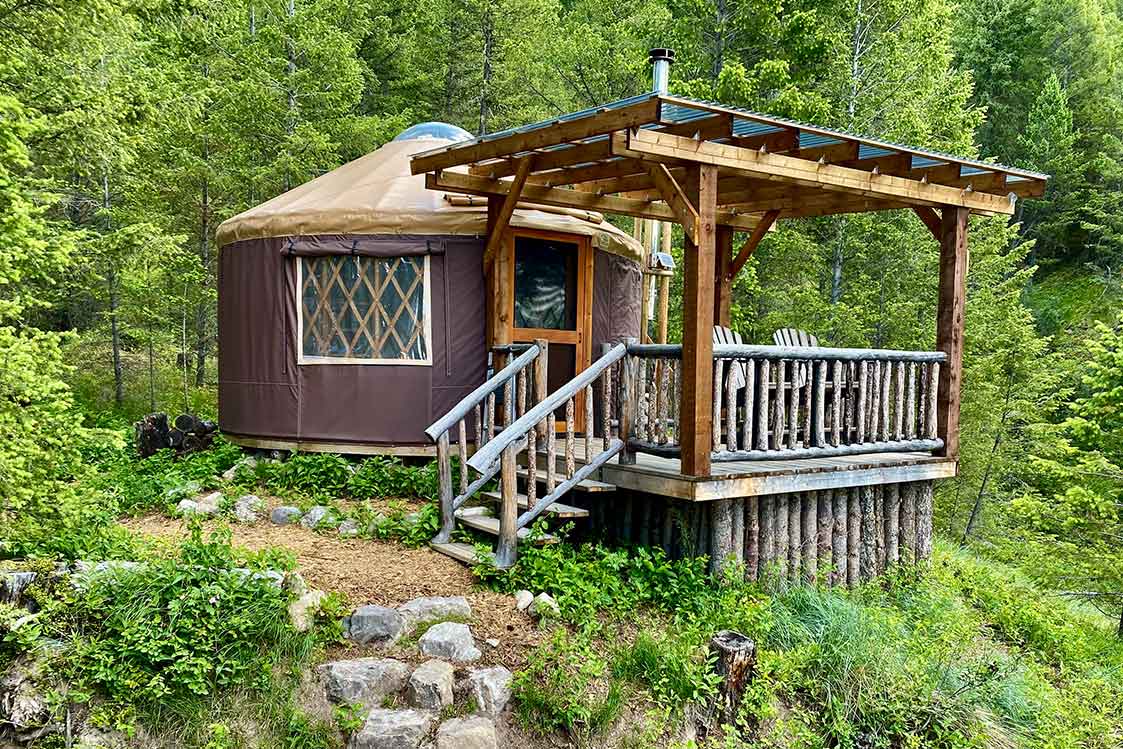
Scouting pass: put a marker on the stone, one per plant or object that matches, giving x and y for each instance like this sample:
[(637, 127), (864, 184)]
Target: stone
[(523, 599), (544, 606), (248, 462), (434, 609), (430, 686), (315, 515), (348, 529), (247, 508), (302, 611), (12, 586), (210, 504), (284, 515), (24, 709), (96, 738), (364, 680), (392, 729), (492, 642), (372, 623), (293, 582), (490, 689), (451, 640), (473, 732)]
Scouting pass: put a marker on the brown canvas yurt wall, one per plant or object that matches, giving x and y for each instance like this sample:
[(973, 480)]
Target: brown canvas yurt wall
[(265, 393)]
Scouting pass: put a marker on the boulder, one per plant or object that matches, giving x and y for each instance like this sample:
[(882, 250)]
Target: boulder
[(430, 686), (392, 729), (12, 586), (451, 640), (248, 462), (434, 609), (364, 680), (96, 738), (302, 611), (376, 624), (315, 515), (25, 712), (210, 504), (490, 689), (247, 508), (467, 733), (523, 599), (348, 529), (284, 515), (544, 606)]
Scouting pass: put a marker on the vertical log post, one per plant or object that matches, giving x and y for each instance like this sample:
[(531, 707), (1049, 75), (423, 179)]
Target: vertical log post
[(723, 276), (700, 186), (752, 538), (838, 537), (949, 323), (868, 549), (853, 536), (721, 535), (444, 473), (505, 551), (541, 389), (626, 404)]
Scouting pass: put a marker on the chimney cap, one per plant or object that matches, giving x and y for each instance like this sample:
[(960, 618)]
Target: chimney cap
[(661, 53)]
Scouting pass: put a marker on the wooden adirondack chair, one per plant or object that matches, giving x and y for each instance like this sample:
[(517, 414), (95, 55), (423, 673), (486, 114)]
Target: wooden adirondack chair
[(795, 338), (723, 335)]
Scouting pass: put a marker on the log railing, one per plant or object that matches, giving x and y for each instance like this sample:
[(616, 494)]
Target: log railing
[(540, 423), (503, 397), (772, 402)]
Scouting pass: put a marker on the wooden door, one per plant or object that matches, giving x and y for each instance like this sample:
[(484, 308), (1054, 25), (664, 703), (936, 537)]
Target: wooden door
[(551, 277)]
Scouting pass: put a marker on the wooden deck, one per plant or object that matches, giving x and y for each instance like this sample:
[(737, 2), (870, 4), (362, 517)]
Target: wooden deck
[(662, 476)]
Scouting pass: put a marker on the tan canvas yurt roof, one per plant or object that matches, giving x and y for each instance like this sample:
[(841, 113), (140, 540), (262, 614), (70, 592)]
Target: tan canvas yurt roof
[(377, 195)]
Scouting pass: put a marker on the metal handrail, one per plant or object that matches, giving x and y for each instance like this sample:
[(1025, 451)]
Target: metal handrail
[(818, 353), (490, 453), (474, 398)]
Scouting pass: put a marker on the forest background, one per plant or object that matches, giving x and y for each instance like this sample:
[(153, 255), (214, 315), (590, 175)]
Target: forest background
[(130, 130)]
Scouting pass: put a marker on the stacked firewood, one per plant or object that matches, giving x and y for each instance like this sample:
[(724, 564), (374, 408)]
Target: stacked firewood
[(188, 433)]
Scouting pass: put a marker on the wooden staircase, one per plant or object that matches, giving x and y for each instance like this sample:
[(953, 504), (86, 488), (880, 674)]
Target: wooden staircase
[(536, 488)]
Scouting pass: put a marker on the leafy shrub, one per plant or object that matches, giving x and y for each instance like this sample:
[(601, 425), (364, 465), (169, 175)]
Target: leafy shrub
[(318, 474), (382, 476)]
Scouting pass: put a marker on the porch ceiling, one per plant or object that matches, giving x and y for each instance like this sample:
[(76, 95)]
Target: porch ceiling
[(630, 156)]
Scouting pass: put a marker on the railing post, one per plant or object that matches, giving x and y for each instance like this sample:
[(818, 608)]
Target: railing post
[(541, 388), (505, 551), (444, 473), (626, 404)]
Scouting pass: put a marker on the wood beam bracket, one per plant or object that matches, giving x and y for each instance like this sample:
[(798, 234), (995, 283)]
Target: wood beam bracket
[(503, 220), (751, 243), (931, 219), (674, 196)]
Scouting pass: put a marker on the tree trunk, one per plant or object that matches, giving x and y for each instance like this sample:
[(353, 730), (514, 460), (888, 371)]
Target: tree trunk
[(485, 92)]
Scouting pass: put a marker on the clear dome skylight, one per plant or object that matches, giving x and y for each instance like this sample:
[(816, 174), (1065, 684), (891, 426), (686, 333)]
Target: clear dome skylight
[(440, 130)]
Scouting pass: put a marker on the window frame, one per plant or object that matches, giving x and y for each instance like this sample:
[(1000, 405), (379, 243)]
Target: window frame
[(427, 313)]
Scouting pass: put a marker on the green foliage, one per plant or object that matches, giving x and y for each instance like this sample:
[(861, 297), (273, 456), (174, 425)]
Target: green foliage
[(383, 476), (318, 474), (670, 665)]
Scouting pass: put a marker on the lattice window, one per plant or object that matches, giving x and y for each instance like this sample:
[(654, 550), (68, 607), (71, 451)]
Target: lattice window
[(357, 308)]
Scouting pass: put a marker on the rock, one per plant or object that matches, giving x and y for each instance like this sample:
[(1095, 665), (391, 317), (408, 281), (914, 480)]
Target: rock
[(544, 606), (24, 709), (302, 611), (492, 642), (450, 640), (430, 686), (523, 599), (365, 680), (293, 582), (434, 609), (13, 584), (392, 729), (490, 689), (315, 516), (376, 624), (248, 462), (210, 504), (95, 738), (285, 515), (187, 507), (467, 733), (247, 508), (348, 529)]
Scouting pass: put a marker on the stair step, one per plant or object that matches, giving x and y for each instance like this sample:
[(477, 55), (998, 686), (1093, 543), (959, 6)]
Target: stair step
[(490, 524), (465, 553), (557, 509), (585, 485)]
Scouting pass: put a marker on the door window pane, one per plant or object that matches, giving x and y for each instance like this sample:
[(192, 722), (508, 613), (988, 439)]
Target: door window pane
[(545, 284)]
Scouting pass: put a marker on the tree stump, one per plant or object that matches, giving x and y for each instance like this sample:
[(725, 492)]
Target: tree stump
[(734, 657), (151, 434)]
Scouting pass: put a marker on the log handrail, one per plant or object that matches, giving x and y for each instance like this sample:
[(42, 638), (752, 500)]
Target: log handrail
[(474, 398), (779, 402), (493, 450)]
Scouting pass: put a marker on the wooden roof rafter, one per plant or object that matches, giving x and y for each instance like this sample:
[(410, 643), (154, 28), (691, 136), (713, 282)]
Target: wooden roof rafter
[(629, 156)]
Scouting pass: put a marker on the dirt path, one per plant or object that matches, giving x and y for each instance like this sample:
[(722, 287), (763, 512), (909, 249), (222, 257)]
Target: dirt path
[(380, 572)]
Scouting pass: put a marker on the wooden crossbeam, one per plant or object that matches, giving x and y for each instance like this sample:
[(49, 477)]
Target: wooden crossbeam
[(531, 193), (676, 199), (675, 149), (579, 128), (751, 243), (503, 219), (561, 158)]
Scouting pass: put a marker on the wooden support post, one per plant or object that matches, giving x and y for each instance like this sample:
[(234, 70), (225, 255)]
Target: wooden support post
[(752, 538), (923, 520), (721, 535), (695, 413), (541, 389), (867, 554), (505, 551), (499, 293), (838, 537), (949, 323), (444, 472), (723, 277), (502, 219), (626, 404), (853, 536)]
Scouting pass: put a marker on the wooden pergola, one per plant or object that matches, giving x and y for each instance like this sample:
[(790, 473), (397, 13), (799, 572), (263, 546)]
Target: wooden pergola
[(717, 170)]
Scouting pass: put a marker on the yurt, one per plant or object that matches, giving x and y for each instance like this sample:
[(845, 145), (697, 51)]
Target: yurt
[(354, 310)]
